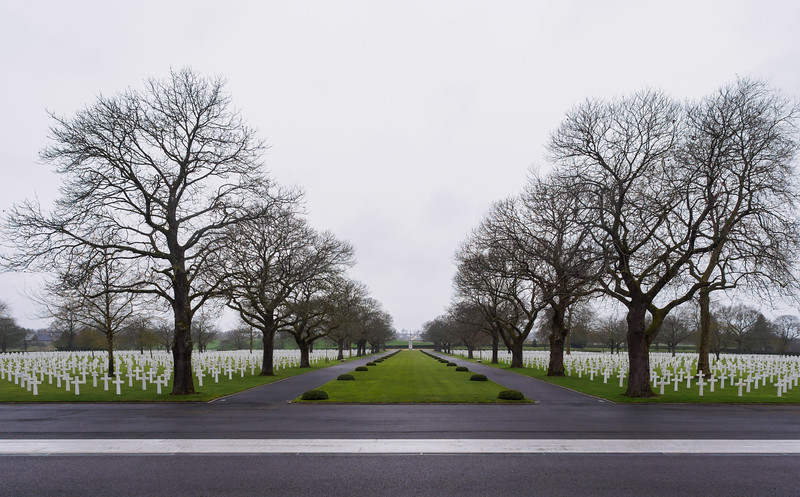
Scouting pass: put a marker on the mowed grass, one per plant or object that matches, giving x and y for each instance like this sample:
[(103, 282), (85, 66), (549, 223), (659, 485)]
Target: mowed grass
[(765, 394), (9, 392), (412, 377)]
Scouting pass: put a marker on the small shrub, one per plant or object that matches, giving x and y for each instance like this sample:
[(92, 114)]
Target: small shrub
[(478, 377), (510, 395), (371, 364), (362, 368), (315, 395), (345, 377), (451, 364), (462, 368)]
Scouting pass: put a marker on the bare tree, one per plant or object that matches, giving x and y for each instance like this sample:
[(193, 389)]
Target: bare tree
[(787, 329), (204, 329), (738, 321), (467, 326), (677, 327), (267, 261), (611, 331), (142, 332), (635, 195), (437, 331), (379, 330), (240, 338), (163, 333), (475, 287), (264, 263), (322, 265), (555, 251), (346, 301), (495, 274), (165, 170), (11, 334), (742, 141), (91, 283)]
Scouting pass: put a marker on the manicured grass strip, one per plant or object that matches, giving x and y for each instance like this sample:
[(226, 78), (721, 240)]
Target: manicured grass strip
[(766, 394), (9, 392), (411, 376)]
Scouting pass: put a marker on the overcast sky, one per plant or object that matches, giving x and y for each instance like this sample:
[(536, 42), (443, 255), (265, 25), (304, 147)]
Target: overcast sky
[(402, 121)]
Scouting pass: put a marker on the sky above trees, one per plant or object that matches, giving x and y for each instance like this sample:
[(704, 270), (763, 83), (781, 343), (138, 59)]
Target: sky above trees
[(402, 122)]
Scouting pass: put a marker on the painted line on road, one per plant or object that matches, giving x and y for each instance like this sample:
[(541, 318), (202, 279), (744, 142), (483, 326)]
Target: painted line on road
[(393, 446)]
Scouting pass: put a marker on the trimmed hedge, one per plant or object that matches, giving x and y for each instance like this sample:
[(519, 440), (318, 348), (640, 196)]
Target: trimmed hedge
[(362, 368), (315, 395), (451, 364), (462, 368), (371, 364), (510, 395), (345, 377), (478, 377)]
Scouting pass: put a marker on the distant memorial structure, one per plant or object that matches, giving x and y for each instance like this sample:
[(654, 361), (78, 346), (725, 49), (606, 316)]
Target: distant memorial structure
[(410, 344)]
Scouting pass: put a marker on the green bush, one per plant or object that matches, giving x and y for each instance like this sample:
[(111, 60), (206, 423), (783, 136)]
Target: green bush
[(362, 368), (510, 395), (451, 364), (345, 377), (371, 364), (315, 395), (462, 368), (478, 377)]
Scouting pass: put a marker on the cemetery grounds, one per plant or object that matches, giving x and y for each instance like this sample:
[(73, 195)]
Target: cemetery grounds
[(147, 377), (735, 378)]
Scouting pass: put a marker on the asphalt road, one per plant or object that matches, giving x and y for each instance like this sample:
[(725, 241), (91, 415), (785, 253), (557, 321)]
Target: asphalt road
[(264, 413)]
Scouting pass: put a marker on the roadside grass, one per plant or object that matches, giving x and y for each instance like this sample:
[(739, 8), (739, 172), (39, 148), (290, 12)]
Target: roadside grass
[(765, 394), (10, 392), (412, 377)]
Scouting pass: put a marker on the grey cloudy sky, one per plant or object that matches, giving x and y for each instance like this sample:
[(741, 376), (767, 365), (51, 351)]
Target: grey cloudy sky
[(402, 121)]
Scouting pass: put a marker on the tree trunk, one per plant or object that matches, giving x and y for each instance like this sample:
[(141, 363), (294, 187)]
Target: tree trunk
[(703, 348), (638, 353), (495, 347), (557, 339), (340, 357), (183, 383), (110, 339), (268, 362), (304, 346), (516, 353), (469, 352)]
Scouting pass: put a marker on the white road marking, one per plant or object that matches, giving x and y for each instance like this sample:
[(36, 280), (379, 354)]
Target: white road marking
[(394, 446)]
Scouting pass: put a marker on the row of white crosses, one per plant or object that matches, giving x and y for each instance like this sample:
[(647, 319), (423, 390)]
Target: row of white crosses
[(745, 373), (78, 371)]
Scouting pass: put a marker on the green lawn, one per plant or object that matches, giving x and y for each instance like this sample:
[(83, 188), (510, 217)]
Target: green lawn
[(9, 392), (411, 376), (611, 390)]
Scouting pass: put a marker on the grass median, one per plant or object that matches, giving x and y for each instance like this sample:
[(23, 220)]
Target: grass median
[(410, 376)]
